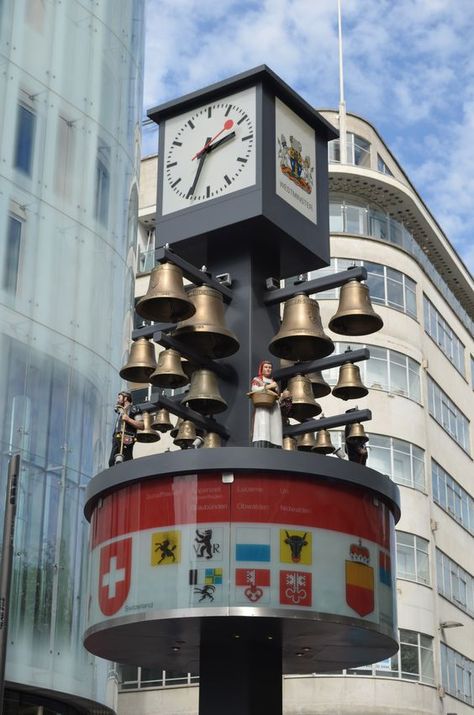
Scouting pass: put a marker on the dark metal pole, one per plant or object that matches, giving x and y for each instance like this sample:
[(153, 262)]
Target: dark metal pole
[(6, 563)]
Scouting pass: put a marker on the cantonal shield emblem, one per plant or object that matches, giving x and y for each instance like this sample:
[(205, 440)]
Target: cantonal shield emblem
[(114, 575), (360, 580)]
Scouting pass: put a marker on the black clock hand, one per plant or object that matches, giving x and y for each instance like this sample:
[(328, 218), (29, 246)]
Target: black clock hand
[(211, 147), (202, 158)]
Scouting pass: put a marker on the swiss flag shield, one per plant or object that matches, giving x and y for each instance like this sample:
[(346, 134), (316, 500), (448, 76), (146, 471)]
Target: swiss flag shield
[(114, 575)]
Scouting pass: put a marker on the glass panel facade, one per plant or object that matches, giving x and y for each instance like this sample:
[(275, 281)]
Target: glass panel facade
[(457, 674), (451, 497), (64, 302), (447, 341), (400, 460), (456, 584), (412, 558), (448, 415)]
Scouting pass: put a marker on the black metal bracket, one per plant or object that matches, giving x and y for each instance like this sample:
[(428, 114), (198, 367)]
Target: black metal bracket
[(348, 418), (167, 341), (303, 368), (174, 406), (195, 275), (149, 330), (335, 280)]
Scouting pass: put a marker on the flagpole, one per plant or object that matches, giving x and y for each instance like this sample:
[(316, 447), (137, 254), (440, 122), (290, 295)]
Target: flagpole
[(342, 103)]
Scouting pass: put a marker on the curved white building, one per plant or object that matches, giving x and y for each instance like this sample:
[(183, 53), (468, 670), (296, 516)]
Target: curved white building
[(70, 106), (420, 379)]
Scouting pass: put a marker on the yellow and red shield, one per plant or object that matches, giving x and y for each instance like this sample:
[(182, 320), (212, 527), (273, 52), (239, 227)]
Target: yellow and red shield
[(360, 587)]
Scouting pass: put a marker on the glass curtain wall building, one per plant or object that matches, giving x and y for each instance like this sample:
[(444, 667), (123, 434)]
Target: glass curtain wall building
[(70, 107), (420, 382)]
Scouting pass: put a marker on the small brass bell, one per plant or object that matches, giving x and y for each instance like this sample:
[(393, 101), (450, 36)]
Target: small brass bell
[(318, 384), (355, 315), (204, 396), (175, 430), (147, 434), (186, 434), (165, 300), (206, 332), (188, 367), (161, 421), (169, 372), (303, 404), (323, 442), (349, 385), (289, 443), (357, 432), (212, 440), (305, 442), (141, 361), (301, 335)]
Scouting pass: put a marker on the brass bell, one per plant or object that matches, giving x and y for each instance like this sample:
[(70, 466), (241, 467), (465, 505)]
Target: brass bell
[(349, 385), (169, 372), (175, 430), (357, 432), (165, 300), (303, 404), (141, 361), (301, 335), (161, 421), (318, 384), (188, 367), (323, 442), (147, 434), (204, 396), (186, 434), (306, 442), (212, 440), (205, 332), (289, 443), (355, 315)]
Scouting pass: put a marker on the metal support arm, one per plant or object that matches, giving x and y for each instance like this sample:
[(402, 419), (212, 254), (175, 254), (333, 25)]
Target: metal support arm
[(348, 418), (334, 280), (195, 275), (176, 408), (303, 368), (167, 341)]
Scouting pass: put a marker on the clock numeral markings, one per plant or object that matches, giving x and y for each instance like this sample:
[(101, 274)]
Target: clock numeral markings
[(177, 143), (241, 158), (250, 136), (176, 183), (173, 163), (208, 191), (228, 110), (227, 180), (242, 120), (191, 124)]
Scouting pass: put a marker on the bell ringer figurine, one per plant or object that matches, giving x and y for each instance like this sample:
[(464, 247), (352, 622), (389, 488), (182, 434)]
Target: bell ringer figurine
[(268, 408), (125, 430)]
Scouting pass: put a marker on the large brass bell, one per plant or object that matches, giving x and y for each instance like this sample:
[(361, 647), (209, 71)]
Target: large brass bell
[(303, 404), (306, 442), (323, 442), (169, 372), (147, 434), (349, 385), (212, 440), (318, 384), (205, 332), (289, 443), (357, 432), (165, 300), (355, 315), (301, 335), (141, 362), (186, 434), (161, 421), (204, 396)]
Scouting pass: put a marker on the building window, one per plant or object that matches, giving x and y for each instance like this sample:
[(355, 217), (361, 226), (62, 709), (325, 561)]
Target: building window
[(137, 678), (64, 174), (387, 286), (438, 329), (24, 142), (357, 150), (386, 370), (457, 674), (12, 255), (382, 166), (448, 415), (402, 461), (451, 497), (413, 558), (454, 583), (102, 185)]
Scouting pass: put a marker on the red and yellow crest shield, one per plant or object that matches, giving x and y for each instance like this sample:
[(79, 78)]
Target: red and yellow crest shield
[(360, 587)]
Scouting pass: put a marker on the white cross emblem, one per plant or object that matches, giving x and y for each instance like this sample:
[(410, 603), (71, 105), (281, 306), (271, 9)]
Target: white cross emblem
[(113, 577)]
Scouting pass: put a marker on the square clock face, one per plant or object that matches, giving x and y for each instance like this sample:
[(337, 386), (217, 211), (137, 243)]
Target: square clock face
[(209, 152)]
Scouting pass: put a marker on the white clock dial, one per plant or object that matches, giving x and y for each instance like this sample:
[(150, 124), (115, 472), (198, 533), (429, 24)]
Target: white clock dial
[(209, 152)]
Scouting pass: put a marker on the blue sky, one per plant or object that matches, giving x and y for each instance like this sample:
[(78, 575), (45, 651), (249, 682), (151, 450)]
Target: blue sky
[(408, 65)]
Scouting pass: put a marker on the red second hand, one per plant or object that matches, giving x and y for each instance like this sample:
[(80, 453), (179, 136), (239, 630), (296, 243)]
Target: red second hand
[(229, 123)]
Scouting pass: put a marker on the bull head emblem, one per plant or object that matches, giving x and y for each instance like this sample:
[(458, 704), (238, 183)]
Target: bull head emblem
[(296, 544)]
